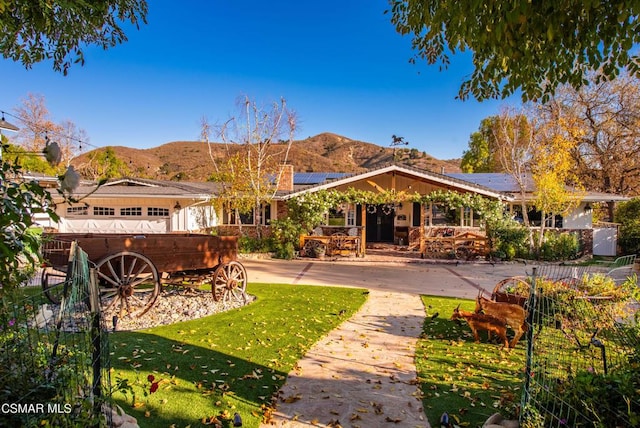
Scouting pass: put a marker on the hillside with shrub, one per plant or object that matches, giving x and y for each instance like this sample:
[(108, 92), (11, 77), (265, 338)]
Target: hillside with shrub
[(192, 161)]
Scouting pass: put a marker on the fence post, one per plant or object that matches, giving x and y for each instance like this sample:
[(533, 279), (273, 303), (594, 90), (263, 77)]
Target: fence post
[(96, 341), (530, 335)]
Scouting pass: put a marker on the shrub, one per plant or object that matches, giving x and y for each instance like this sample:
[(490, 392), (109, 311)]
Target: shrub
[(559, 246), (510, 241), (249, 244), (286, 235), (628, 215)]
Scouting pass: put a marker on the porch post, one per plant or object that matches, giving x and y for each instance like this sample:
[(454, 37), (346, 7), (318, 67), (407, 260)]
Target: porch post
[(422, 231), (363, 230)]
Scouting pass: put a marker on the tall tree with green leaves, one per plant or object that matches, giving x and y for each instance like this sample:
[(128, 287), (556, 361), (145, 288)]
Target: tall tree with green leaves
[(103, 164), (524, 46), (481, 155), (34, 31)]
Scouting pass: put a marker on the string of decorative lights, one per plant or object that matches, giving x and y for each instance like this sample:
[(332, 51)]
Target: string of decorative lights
[(50, 133)]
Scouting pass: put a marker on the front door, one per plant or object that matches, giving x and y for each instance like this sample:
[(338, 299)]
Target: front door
[(380, 223)]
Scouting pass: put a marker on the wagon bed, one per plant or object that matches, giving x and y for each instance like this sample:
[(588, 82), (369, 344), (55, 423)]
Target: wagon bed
[(131, 267)]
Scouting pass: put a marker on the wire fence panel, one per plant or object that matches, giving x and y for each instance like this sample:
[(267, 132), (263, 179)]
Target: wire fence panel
[(583, 362), (54, 359)]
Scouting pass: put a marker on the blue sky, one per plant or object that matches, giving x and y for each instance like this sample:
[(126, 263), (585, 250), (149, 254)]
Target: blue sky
[(339, 64)]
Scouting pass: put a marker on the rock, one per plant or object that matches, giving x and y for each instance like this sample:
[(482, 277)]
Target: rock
[(497, 421), (119, 419), (174, 306)]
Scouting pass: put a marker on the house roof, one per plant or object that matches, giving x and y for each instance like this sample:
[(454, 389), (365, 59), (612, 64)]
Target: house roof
[(441, 179), (504, 182), (140, 187), (496, 185)]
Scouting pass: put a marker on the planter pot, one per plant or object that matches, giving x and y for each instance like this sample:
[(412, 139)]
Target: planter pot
[(320, 252)]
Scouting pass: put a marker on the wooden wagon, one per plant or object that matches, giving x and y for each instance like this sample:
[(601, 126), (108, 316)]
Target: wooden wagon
[(131, 269)]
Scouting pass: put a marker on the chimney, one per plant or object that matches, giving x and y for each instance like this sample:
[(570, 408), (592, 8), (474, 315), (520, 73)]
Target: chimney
[(285, 183)]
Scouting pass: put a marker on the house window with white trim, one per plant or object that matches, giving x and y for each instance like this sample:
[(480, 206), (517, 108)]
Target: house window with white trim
[(75, 211), (131, 212), (351, 216), (104, 211), (336, 218), (157, 212), (467, 217)]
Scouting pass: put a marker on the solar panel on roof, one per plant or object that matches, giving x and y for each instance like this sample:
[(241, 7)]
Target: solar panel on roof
[(302, 178)]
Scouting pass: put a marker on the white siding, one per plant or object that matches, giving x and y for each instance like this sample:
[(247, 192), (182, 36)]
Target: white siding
[(113, 225), (578, 219)]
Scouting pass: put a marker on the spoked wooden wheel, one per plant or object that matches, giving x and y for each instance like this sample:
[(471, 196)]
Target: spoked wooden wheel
[(53, 284), (512, 290), (230, 282), (313, 246), (128, 281)]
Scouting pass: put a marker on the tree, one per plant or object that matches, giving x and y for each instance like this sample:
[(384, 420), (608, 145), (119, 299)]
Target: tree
[(70, 139), (531, 47), (36, 123), (104, 164), (628, 215), (33, 31), (603, 119), (38, 130), (481, 156), (257, 143), (514, 148), (552, 170), (532, 146)]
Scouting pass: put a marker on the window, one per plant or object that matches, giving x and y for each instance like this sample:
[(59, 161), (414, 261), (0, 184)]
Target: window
[(351, 216), (467, 217), (83, 210), (104, 211), (443, 217), (336, 218), (157, 212), (229, 216), (133, 211)]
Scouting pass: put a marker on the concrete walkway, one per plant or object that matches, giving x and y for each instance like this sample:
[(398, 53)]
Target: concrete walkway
[(362, 374)]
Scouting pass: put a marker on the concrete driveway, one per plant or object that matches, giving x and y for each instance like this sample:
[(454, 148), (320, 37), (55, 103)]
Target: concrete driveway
[(445, 279)]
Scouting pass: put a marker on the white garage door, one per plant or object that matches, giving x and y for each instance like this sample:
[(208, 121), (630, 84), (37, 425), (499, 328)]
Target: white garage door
[(113, 226)]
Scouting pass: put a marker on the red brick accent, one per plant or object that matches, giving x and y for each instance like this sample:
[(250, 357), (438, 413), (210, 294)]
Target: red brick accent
[(286, 178)]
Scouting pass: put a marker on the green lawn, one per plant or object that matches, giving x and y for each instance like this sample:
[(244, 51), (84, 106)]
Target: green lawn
[(470, 381), (234, 361), (225, 363)]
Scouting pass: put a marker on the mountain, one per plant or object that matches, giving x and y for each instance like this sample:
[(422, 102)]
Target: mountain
[(326, 152)]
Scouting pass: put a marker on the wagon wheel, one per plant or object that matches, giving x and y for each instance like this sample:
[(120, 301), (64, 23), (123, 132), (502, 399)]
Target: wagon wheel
[(312, 246), (53, 284), (130, 280), (512, 290), (229, 282), (464, 251)]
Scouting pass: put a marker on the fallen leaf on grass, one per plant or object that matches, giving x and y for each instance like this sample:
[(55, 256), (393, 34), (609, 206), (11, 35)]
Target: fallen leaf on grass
[(292, 398)]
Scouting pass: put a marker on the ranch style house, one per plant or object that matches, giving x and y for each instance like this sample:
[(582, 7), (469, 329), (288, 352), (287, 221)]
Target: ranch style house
[(143, 206)]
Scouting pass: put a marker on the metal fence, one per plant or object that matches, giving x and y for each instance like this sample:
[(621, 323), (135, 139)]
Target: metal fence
[(583, 351), (54, 366)]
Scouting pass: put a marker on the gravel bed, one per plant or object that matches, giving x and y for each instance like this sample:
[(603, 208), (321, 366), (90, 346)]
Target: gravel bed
[(171, 306)]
